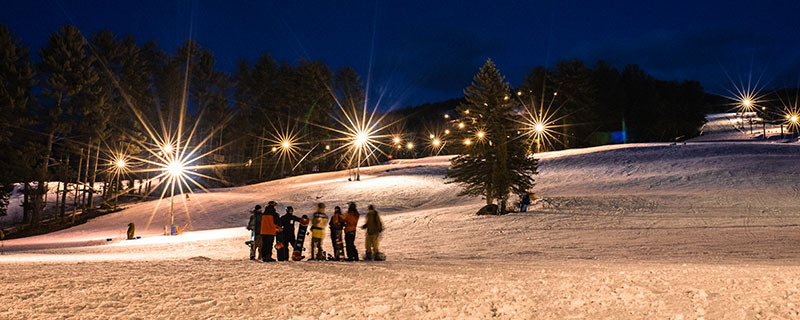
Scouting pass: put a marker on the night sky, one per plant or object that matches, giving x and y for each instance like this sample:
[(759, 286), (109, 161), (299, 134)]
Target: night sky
[(428, 51)]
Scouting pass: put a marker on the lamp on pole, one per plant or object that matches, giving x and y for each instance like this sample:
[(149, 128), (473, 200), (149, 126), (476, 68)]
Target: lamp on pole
[(120, 166), (359, 141), (175, 170)]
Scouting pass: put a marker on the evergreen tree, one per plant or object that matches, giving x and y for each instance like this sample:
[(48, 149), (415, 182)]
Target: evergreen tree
[(578, 95), (348, 84), (16, 102), (314, 79), (68, 77), (494, 163)]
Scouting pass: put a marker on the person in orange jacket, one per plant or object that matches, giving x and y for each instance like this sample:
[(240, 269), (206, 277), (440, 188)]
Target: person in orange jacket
[(270, 226), (350, 224)]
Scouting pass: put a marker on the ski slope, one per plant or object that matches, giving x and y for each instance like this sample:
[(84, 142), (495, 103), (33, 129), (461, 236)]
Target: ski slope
[(708, 228)]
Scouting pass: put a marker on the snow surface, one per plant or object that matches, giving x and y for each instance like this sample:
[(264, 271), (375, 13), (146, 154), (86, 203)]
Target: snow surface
[(708, 228)]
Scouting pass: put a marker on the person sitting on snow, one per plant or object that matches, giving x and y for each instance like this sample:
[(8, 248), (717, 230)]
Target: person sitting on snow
[(318, 223)]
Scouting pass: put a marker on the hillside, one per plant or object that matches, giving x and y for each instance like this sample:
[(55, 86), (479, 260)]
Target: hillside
[(702, 228)]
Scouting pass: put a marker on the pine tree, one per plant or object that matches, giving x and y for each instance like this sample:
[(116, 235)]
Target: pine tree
[(68, 76), (314, 83), (348, 84), (16, 102), (493, 161)]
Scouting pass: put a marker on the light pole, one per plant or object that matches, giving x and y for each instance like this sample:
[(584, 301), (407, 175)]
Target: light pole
[(175, 169), (120, 166), (359, 141), (539, 129), (286, 147), (747, 105)]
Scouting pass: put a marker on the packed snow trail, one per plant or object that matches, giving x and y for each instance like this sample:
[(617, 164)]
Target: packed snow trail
[(499, 288)]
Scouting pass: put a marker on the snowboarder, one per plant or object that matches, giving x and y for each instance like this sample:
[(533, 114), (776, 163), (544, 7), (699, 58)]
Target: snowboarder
[(270, 226), (374, 227), (336, 225), (287, 233), (525, 202), (318, 223), (254, 225), (350, 224)]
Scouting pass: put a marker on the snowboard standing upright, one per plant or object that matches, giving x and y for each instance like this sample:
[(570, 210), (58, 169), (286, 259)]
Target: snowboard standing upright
[(297, 255)]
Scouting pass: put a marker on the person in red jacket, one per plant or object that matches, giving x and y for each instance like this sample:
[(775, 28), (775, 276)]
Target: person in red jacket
[(270, 226), (350, 224)]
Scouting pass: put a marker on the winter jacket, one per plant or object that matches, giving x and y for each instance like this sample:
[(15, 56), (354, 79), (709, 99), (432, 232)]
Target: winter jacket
[(526, 199), (257, 222), (374, 224), (337, 222), (270, 222), (318, 224), (252, 223), (287, 225), (351, 221)]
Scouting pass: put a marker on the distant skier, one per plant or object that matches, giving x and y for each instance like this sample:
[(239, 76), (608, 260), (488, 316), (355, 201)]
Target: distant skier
[(131, 231), (318, 223), (350, 224), (270, 226), (254, 225), (374, 227), (525, 202), (287, 233), (336, 225)]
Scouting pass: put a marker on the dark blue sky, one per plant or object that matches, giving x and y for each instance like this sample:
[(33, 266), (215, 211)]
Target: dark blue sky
[(429, 50)]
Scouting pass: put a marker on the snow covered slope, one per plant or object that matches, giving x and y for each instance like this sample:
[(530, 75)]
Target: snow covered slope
[(706, 228), (611, 190)]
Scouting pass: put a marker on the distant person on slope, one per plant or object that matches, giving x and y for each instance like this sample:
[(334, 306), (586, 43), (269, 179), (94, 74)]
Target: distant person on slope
[(336, 225), (254, 225), (350, 224), (525, 202), (374, 227), (287, 233), (318, 223), (270, 226)]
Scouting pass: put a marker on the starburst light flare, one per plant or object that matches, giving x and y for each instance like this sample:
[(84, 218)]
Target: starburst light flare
[(175, 152), (539, 118)]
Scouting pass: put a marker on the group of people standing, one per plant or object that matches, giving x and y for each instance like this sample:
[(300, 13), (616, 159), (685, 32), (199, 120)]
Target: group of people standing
[(268, 229)]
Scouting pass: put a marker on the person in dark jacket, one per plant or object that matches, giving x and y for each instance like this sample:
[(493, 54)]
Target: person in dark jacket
[(525, 202), (336, 225), (350, 224), (254, 225), (374, 227), (287, 233), (270, 226)]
